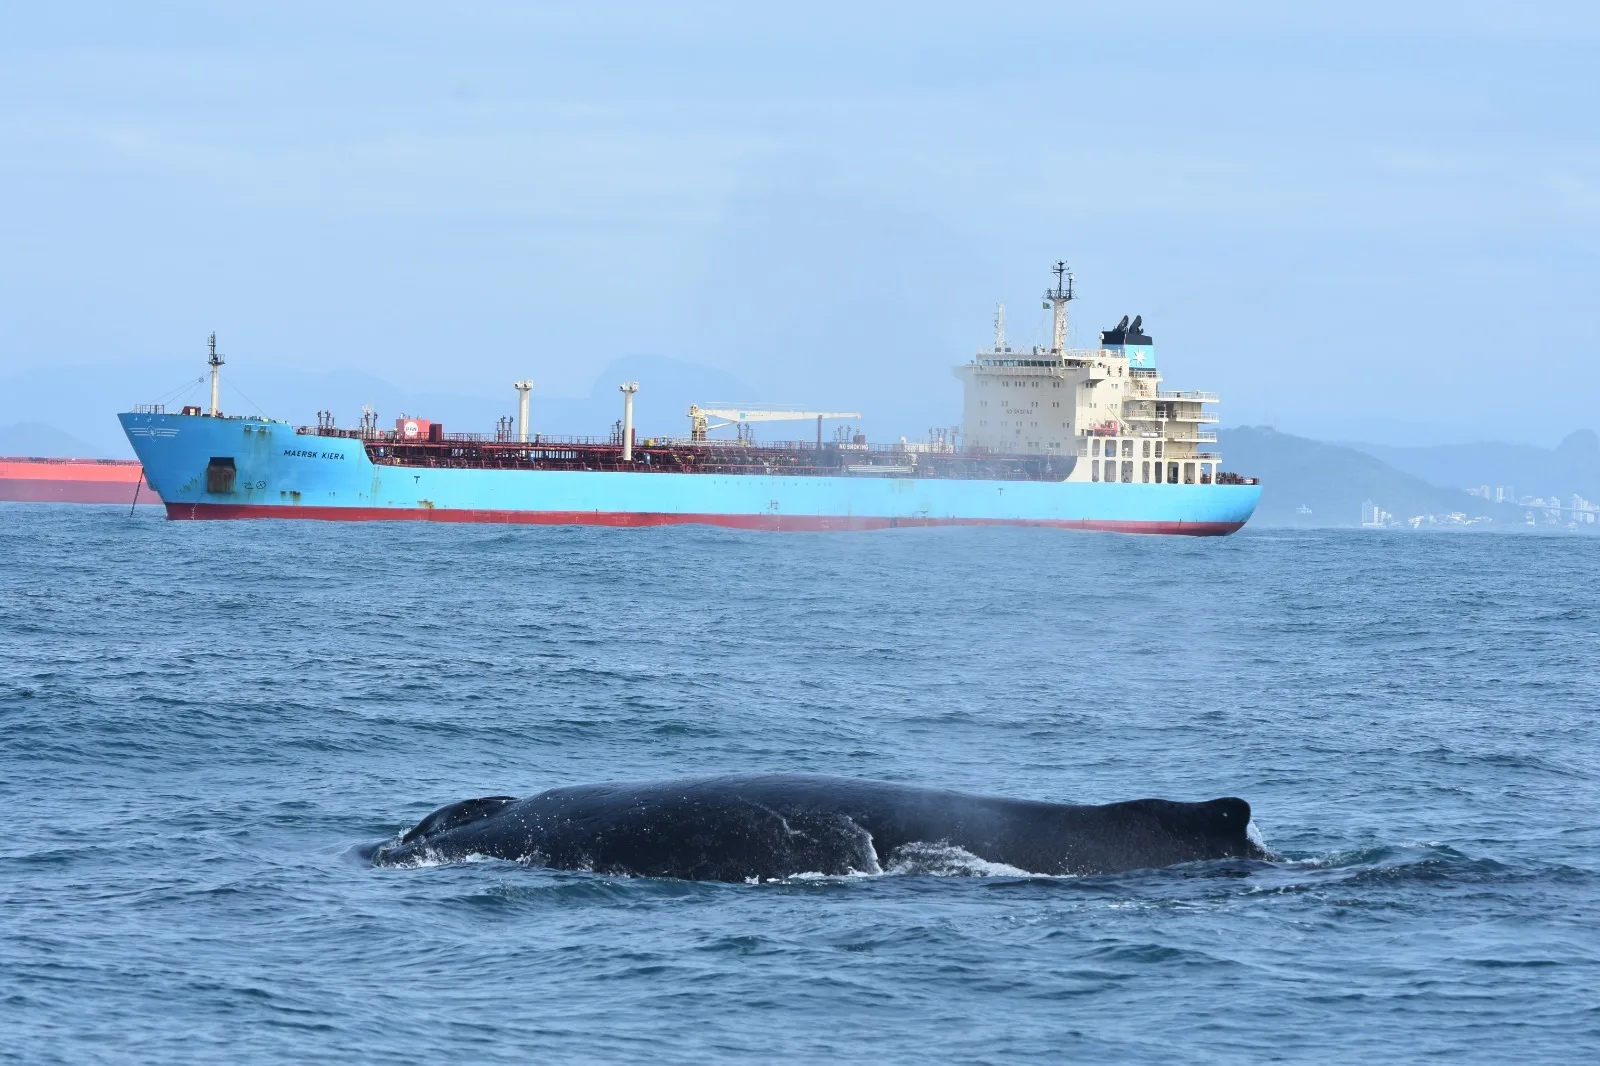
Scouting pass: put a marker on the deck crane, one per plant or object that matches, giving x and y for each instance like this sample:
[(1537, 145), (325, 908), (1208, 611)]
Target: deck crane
[(700, 418)]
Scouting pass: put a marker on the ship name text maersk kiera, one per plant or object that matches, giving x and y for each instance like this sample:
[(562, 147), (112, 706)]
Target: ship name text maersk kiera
[(1070, 438)]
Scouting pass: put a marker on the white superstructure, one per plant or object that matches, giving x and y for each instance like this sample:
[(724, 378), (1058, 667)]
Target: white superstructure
[(1104, 406)]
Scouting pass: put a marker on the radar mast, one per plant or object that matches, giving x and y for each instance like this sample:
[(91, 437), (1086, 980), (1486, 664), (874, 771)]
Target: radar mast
[(1057, 299)]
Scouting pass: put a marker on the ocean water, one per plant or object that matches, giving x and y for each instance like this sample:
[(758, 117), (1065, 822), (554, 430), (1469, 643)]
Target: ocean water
[(202, 725)]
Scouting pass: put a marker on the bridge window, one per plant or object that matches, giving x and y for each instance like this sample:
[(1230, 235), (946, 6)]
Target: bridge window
[(1146, 471), (1094, 448), (1127, 449), (1158, 449), (1147, 455), (1127, 473), (1094, 470)]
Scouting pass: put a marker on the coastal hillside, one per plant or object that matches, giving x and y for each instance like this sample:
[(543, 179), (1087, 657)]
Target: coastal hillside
[(87, 399), (1573, 466), (39, 440), (1313, 483)]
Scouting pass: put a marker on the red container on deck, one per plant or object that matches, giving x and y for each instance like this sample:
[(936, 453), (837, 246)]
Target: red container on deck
[(413, 428)]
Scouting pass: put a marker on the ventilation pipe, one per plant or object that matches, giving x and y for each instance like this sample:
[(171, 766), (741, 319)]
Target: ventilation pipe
[(627, 388), (523, 388)]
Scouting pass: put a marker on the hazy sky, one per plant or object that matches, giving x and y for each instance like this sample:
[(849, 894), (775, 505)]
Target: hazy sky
[(1380, 220)]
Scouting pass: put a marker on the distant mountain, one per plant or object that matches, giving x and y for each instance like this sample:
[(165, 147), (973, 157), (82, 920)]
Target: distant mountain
[(1573, 466), (87, 398), (1333, 481), (38, 439), (666, 389)]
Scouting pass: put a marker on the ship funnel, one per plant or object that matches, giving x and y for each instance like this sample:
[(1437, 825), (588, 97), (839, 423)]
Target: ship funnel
[(523, 388)]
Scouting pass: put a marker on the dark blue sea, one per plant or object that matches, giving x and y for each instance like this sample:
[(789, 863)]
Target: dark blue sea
[(203, 724)]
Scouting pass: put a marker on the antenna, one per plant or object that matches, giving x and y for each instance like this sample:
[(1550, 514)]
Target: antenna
[(1063, 289), (999, 327)]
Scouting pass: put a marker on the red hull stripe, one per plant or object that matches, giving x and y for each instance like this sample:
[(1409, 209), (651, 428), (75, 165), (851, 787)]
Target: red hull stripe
[(782, 523)]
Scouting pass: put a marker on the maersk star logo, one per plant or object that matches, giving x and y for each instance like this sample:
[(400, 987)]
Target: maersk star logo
[(1140, 358)]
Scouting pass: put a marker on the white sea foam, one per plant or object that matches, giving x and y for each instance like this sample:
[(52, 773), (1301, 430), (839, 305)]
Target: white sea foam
[(943, 859), (427, 858), (848, 875), (1253, 832)]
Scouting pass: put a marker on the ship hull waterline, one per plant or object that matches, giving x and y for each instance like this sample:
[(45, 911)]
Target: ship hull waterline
[(636, 519), (281, 474)]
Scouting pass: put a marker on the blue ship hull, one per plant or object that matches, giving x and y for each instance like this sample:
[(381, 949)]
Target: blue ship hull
[(278, 473)]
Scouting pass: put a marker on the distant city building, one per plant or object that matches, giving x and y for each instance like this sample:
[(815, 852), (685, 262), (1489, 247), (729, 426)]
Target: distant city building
[(1373, 516)]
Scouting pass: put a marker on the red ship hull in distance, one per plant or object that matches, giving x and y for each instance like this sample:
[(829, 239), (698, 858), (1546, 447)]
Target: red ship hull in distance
[(39, 480)]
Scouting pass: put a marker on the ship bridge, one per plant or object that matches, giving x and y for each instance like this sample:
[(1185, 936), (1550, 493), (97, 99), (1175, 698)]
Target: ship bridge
[(1104, 405)]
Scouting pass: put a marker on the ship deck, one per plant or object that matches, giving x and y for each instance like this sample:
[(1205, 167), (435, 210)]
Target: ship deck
[(677, 456)]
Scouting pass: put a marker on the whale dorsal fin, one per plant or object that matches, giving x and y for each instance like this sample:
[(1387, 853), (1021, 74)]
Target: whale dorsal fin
[(456, 815)]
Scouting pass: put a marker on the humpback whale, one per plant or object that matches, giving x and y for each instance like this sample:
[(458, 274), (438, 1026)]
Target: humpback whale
[(773, 826)]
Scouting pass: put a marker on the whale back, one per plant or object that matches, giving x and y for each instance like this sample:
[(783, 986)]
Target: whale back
[(765, 826)]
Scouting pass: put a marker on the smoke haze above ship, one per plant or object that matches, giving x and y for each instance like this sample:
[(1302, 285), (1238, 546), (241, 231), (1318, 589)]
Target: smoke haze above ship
[(825, 209)]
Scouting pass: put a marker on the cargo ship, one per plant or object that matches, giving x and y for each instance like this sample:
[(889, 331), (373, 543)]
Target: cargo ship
[(46, 480), (1052, 436)]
